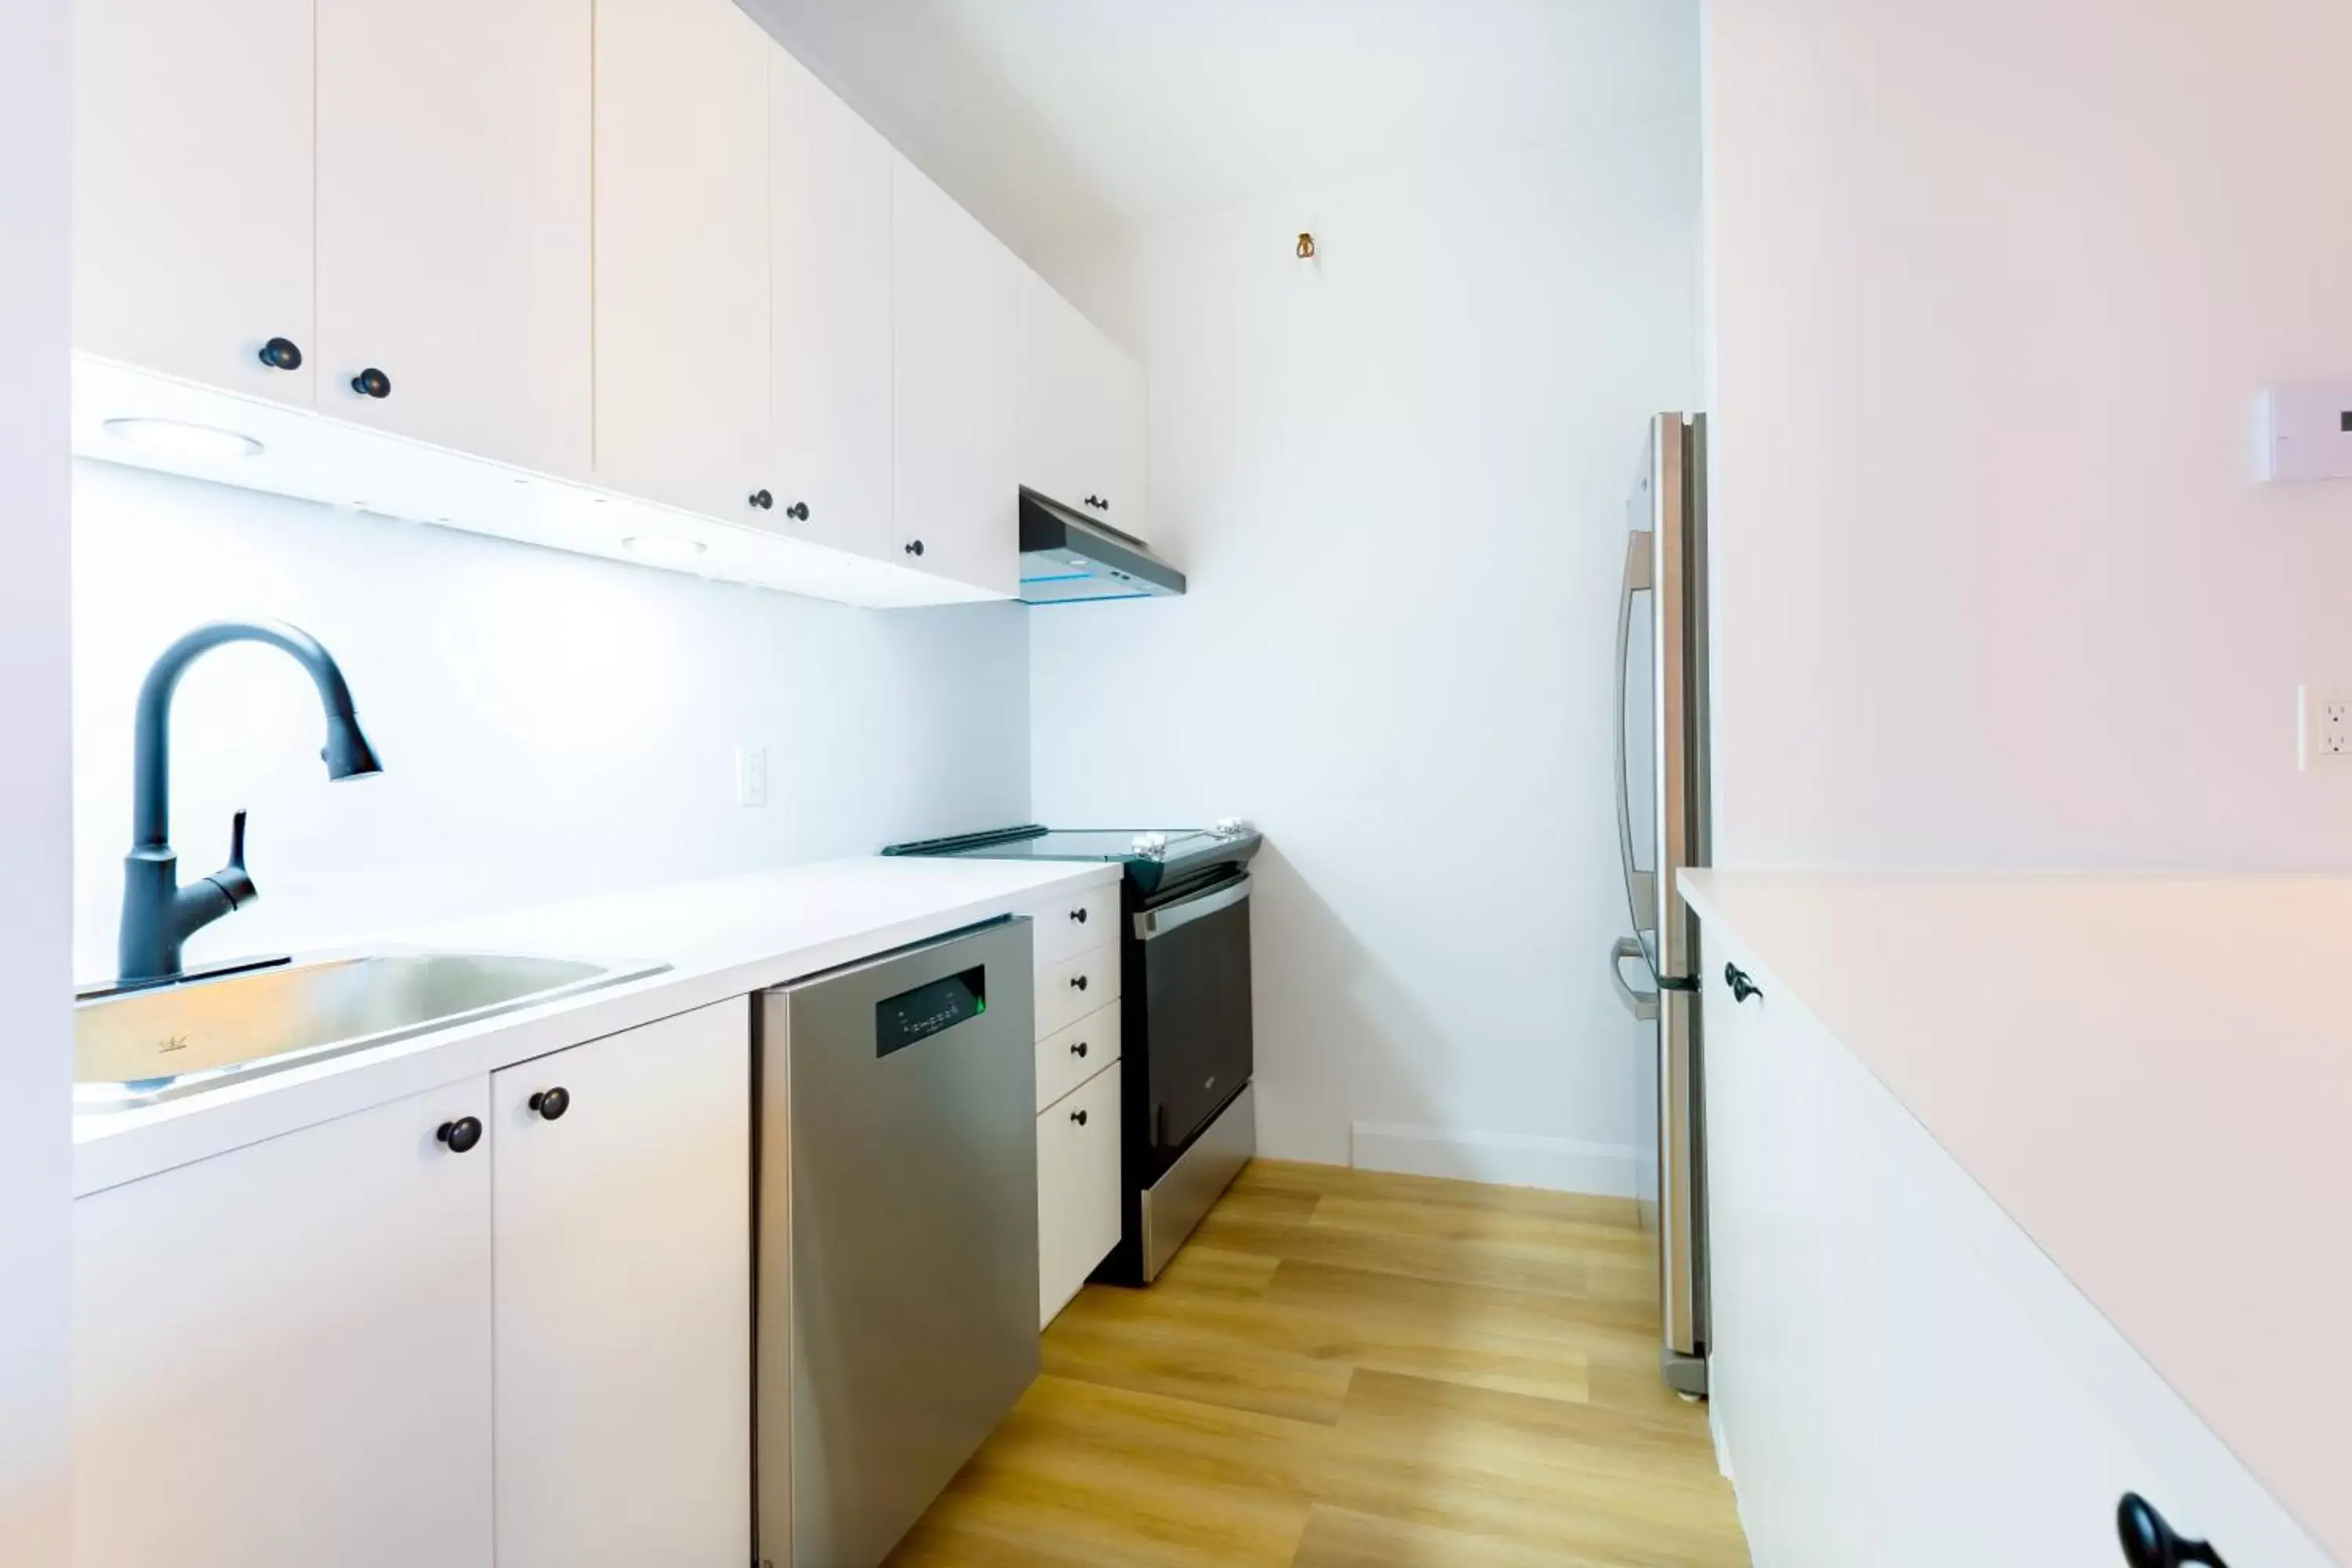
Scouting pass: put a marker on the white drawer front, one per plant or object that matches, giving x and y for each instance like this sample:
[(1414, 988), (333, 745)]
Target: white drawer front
[(1077, 1189), (1068, 1058), (1075, 987), (1078, 920)]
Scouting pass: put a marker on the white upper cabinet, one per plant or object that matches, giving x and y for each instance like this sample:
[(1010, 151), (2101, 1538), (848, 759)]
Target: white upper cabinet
[(453, 223), (954, 290), (682, 291), (830, 252), (624, 1266), (282, 1354), (1083, 412), (192, 181)]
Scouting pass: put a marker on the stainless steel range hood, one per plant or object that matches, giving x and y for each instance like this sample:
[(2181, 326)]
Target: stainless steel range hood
[(1067, 558)]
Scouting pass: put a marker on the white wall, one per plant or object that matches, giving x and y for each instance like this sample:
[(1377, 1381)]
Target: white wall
[(1995, 287), (34, 788), (1397, 483), (550, 725)]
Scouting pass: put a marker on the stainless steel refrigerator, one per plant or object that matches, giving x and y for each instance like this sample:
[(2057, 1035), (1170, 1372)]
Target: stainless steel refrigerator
[(1662, 830)]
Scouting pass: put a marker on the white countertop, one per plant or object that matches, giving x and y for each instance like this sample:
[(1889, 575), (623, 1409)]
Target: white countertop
[(722, 938), (2152, 1077)]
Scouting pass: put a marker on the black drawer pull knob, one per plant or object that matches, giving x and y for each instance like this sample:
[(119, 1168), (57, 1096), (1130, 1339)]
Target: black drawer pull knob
[(1079, 916), (371, 382), (2150, 1542), (1742, 988), (461, 1134), (1077, 982), (279, 353), (761, 500), (1079, 1116), (797, 512), (915, 547), (1079, 1050), (552, 1103)]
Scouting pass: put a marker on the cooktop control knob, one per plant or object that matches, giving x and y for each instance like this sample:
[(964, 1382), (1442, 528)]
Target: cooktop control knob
[(1150, 846)]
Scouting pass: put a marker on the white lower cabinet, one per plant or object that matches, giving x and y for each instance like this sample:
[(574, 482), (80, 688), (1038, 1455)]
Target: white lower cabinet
[(1077, 1189), (622, 1244), (281, 1355), (323, 1348), (1897, 1373)]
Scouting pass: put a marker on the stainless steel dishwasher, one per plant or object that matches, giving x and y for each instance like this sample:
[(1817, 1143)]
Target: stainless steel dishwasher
[(896, 1219)]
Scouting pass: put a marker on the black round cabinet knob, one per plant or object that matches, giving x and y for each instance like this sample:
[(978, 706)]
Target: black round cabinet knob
[(461, 1134), (371, 382), (1077, 982), (2150, 1542), (762, 499), (915, 547), (279, 353), (1742, 988), (552, 1103), (1079, 1050), (1079, 916), (1079, 1116), (797, 512)]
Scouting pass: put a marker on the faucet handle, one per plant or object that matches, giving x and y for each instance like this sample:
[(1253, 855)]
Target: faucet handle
[(231, 878)]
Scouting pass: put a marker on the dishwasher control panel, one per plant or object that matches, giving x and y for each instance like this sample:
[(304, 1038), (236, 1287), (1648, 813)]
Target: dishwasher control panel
[(913, 1016)]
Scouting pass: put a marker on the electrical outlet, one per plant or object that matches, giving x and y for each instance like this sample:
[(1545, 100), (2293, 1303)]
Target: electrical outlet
[(751, 775), (2325, 730)]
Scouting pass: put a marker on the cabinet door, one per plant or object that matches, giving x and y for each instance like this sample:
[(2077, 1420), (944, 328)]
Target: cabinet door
[(954, 311), (830, 240), (624, 1269), (453, 223), (192, 180), (282, 1354), (1081, 403), (681, 254), (1077, 1189)]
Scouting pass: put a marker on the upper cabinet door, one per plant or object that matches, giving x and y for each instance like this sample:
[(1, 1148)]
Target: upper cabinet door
[(955, 311), (830, 244), (681, 256), (453, 224), (193, 179), (624, 1266), (1082, 412)]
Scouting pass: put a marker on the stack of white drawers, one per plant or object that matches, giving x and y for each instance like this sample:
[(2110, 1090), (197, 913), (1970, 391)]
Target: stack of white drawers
[(1078, 1090)]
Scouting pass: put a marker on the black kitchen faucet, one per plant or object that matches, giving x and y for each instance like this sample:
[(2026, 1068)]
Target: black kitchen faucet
[(158, 914)]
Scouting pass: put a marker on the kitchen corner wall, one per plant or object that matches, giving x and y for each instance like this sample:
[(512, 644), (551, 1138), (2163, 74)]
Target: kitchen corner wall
[(1996, 288), (550, 725), (36, 1151), (1397, 479)]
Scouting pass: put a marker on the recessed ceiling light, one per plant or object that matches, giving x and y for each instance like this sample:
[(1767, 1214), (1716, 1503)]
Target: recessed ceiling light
[(663, 547), (189, 441)]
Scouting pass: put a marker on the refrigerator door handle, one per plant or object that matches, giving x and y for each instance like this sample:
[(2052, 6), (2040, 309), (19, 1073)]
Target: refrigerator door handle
[(1641, 887), (1643, 1004)]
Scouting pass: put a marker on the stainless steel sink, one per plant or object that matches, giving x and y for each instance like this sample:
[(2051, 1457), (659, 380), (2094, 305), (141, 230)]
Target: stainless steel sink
[(139, 1046)]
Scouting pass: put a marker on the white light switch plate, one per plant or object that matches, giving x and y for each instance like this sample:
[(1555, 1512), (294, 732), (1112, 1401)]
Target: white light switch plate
[(751, 775), (2307, 431), (2323, 729)]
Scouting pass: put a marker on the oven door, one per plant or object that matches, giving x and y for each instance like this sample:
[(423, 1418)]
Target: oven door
[(1194, 954)]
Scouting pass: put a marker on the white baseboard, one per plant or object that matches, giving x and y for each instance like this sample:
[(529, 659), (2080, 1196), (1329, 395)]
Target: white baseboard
[(1503, 1159)]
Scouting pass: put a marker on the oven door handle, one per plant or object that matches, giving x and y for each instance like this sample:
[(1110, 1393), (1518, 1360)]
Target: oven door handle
[(1158, 922)]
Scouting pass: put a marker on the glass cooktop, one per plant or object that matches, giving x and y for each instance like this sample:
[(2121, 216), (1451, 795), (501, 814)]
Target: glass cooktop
[(1152, 856)]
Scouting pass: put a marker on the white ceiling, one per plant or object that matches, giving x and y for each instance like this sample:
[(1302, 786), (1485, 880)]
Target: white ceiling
[(1054, 119)]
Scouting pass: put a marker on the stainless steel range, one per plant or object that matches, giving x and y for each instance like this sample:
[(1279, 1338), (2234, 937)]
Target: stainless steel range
[(1190, 1118)]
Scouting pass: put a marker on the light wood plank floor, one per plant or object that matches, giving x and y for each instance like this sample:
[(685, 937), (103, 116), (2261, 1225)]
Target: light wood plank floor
[(1345, 1370)]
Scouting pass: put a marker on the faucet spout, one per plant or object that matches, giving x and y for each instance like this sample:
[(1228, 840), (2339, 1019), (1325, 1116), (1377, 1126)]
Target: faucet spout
[(158, 914)]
